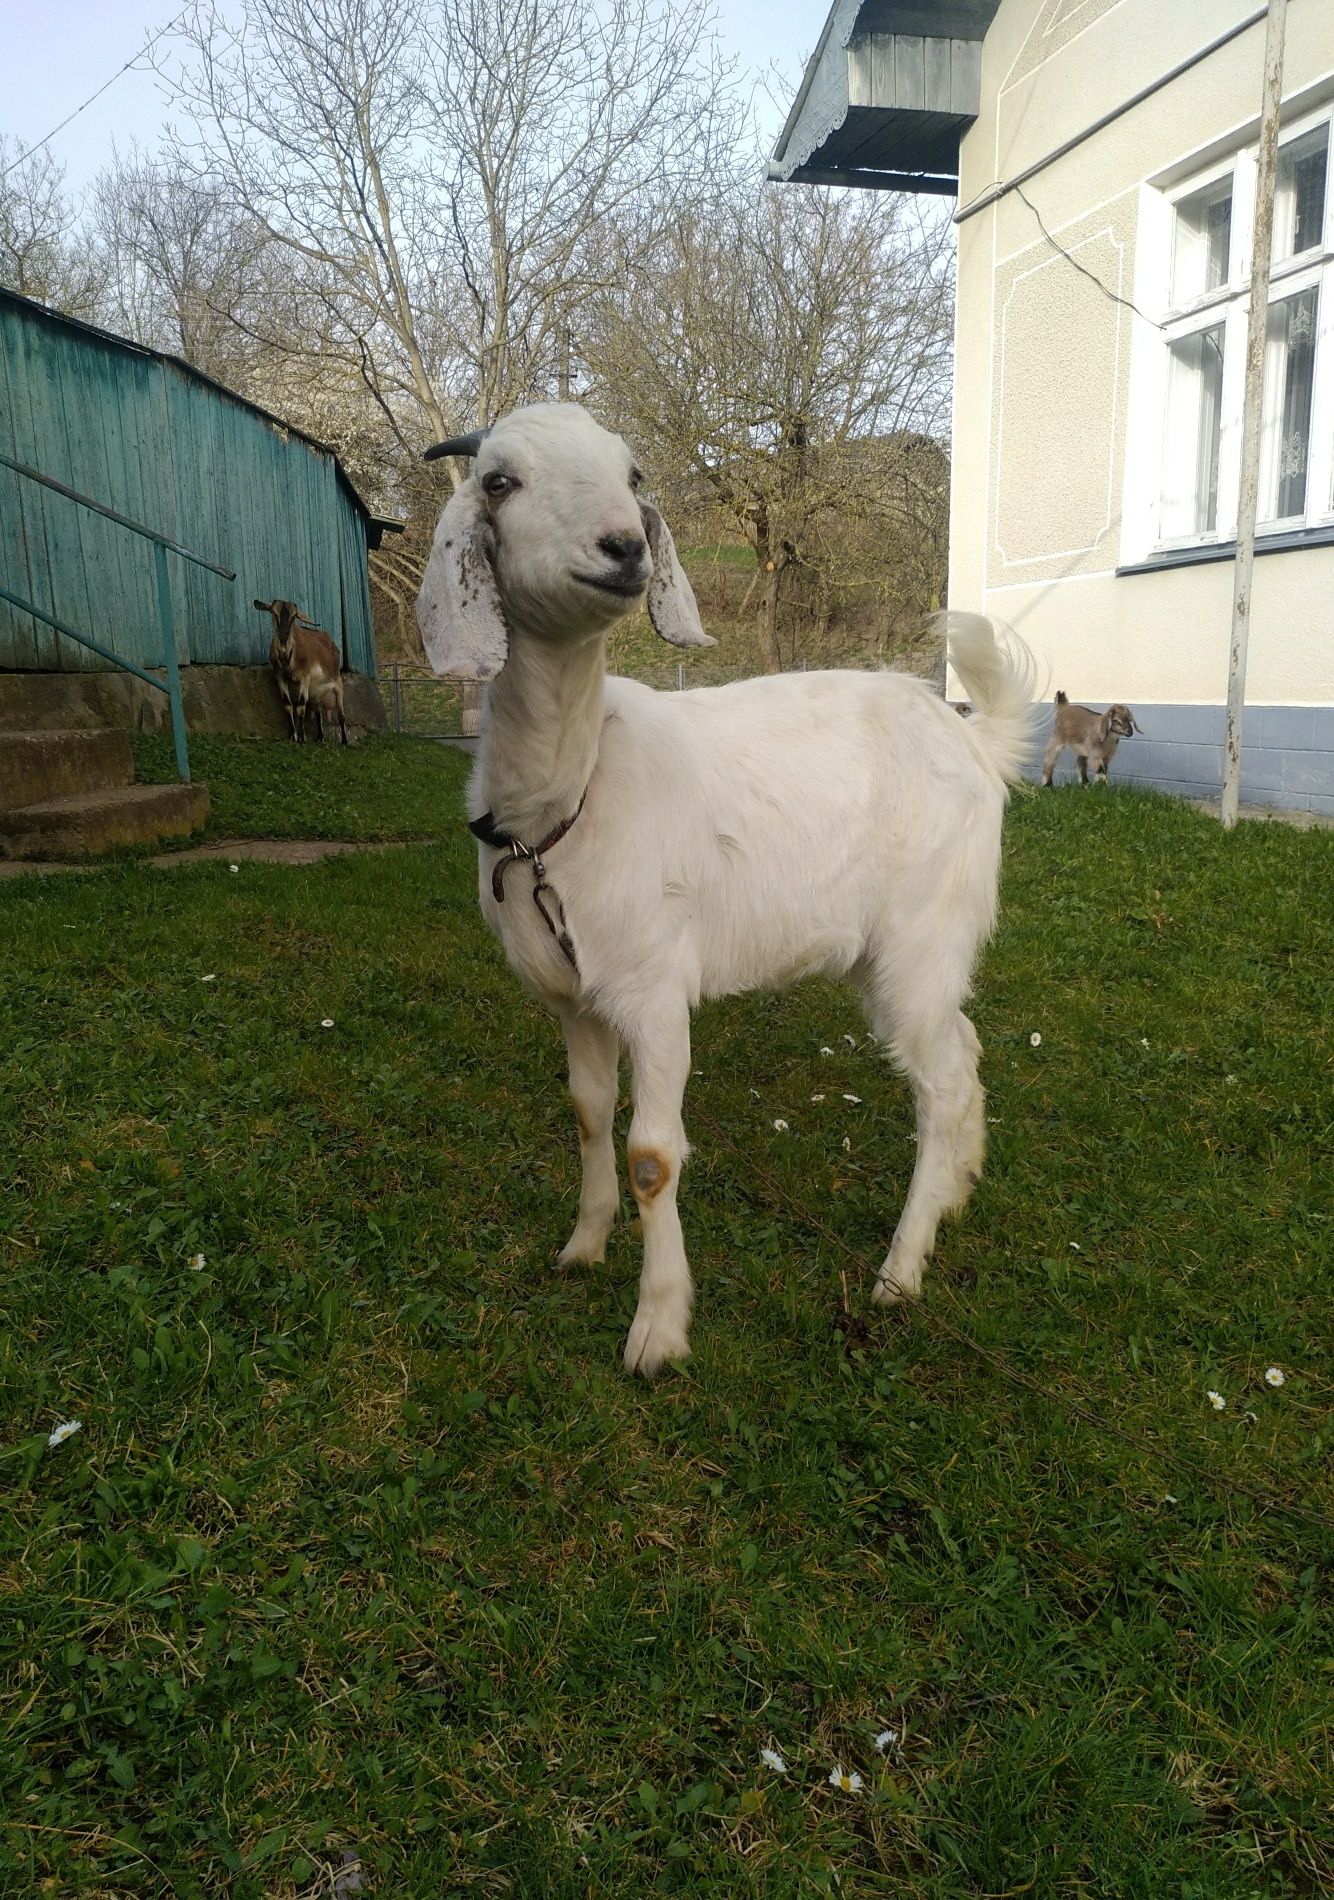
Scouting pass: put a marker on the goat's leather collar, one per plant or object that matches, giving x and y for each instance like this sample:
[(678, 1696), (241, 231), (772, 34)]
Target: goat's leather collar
[(486, 829), (513, 851)]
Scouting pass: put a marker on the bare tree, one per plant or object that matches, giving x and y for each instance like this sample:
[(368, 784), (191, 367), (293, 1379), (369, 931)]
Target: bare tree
[(555, 121), (786, 354), (40, 252), (184, 268), (436, 167)]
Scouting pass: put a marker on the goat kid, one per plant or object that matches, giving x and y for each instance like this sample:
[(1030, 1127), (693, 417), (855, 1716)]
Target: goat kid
[(1092, 737), (696, 844), (307, 666)]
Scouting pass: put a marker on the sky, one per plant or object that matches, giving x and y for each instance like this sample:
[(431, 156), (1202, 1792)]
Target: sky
[(57, 52)]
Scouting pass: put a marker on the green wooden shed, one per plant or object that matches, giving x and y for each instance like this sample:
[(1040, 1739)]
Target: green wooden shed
[(154, 439)]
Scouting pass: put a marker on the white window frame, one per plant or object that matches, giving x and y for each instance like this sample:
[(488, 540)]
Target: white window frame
[(1145, 466)]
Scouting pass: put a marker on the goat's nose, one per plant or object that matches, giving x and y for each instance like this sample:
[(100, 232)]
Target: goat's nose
[(623, 547)]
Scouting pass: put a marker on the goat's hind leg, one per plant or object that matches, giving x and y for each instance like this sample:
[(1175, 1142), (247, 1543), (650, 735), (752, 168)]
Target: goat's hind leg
[(938, 1049), (593, 1051)]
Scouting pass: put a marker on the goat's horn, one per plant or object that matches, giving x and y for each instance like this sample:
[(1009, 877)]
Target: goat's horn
[(457, 445)]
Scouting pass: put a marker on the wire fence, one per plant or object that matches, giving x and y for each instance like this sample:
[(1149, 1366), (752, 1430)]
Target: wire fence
[(427, 707)]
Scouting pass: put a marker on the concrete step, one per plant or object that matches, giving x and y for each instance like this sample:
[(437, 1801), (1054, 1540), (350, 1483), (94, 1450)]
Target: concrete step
[(84, 823), (37, 766)]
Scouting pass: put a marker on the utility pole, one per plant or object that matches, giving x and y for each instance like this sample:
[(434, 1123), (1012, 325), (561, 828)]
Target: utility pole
[(1257, 324)]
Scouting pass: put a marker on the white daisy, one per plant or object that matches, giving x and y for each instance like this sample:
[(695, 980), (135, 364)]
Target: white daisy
[(1075, 1247), (196, 1263), (817, 1098), (1035, 1040), (850, 1782), (233, 868), (1168, 1498), (850, 1040), (1218, 1402), (327, 1022), (887, 1738), (826, 1052), (210, 978), (847, 1144), (772, 1759), (1144, 1042), (62, 1432), (853, 1098), (780, 1126), (1274, 1376)]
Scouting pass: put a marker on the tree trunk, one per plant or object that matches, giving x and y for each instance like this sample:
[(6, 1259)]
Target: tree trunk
[(771, 659), (769, 569)]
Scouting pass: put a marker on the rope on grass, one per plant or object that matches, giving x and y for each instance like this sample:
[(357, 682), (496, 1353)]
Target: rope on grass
[(1016, 1375)]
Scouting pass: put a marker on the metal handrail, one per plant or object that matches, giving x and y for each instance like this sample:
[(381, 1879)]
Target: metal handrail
[(162, 545)]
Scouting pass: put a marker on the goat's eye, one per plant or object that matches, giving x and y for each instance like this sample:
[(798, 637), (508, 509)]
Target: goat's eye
[(636, 478), (497, 484)]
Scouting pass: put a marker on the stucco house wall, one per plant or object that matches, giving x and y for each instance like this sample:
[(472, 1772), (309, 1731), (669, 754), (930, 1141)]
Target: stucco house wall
[(1058, 410)]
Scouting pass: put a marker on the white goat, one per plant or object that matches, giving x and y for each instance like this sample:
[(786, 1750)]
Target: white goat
[(707, 842)]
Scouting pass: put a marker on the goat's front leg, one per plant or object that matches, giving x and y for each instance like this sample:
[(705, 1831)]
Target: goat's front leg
[(660, 1056), (594, 1051)]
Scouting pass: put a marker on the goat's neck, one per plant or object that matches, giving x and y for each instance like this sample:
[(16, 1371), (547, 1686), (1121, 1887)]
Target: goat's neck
[(540, 739)]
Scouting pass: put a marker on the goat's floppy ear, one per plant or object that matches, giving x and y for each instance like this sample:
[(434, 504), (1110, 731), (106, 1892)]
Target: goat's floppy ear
[(671, 598), (459, 611), (262, 606)]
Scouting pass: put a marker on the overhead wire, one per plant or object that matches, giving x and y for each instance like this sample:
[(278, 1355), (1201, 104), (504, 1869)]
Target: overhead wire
[(70, 117)]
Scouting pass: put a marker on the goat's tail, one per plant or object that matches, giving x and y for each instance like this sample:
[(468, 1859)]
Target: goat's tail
[(1061, 699), (1000, 678)]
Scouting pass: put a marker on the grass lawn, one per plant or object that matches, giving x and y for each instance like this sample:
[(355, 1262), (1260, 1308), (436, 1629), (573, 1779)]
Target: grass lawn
[(368, 1547), (383, 788)]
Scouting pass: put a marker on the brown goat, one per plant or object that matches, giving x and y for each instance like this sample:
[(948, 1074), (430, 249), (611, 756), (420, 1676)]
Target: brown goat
[(1092, 737), (306, 665)]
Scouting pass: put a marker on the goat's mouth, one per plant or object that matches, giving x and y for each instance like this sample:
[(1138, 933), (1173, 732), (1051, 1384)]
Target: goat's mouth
[(616, 584)]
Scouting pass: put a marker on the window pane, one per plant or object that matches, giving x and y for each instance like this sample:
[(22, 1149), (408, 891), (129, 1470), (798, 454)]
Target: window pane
[(1190, 457), (1285, 441), (1299, 194), (1202, 242)]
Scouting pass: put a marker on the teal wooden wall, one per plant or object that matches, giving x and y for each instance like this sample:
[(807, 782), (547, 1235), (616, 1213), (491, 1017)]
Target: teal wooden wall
[(148, 437)]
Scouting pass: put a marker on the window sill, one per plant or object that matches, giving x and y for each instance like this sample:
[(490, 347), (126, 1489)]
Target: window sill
[(1322, 537)]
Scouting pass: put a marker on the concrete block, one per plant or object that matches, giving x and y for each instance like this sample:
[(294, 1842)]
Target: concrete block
[(216, 699), (1261, 771), (35, 766), (1286, 728), (1185, 725), (1308, 771), (86, 823)]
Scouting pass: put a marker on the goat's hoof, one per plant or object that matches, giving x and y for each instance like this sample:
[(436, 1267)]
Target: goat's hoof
[(894, 1290), (582, 1253), (652, 1343)]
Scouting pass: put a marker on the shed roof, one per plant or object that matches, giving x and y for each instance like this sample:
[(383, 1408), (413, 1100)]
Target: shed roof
[(887, 95), (376, 525)]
